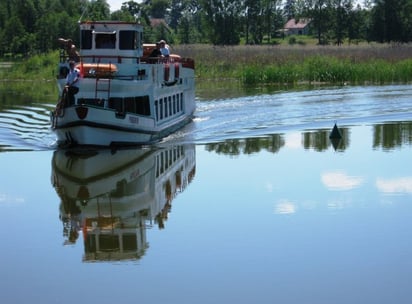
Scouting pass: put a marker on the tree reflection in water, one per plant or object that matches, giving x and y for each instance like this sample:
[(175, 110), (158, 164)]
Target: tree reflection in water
[(385, 135)]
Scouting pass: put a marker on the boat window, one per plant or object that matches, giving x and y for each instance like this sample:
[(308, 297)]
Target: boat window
[(181, 101), (90, 245), (129, 242), (174, 104), (170, 105), (128, 40), (86, 40), (157, 110), (161, 108), (91, 101), (177, 104), (166, 160), (161, 163), (105, 40), (109, 242), (143, 105), (130, 105), (116, 104)]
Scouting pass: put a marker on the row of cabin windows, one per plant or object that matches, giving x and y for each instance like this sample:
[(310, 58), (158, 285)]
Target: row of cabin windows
[(136, 105), (168, 106), (167, 158), (110, 242), (128, 40)]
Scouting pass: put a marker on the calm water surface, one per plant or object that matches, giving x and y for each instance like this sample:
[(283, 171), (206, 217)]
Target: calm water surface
[(250, 203)]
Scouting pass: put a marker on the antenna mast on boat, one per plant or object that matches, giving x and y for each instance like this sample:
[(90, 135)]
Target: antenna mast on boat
[(84, 10)]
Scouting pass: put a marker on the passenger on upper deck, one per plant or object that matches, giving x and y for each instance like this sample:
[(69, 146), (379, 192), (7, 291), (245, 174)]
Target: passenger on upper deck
[(70, 49), (164, 48), (156, 51)]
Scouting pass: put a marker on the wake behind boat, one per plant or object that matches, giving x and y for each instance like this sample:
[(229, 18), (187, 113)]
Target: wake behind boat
[(125, 96)]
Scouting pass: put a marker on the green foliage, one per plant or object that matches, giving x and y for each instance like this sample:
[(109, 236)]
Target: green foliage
[(37, 67), (28, 27), (317, 69), (255, 66), (292, 65)]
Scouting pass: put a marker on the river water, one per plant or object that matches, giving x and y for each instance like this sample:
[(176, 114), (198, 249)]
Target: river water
[(250, 203)]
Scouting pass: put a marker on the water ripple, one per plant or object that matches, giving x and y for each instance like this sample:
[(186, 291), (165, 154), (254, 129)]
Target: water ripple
[(26, 128)]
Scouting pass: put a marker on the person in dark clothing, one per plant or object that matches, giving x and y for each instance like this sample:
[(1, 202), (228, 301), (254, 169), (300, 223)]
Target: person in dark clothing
[(156, 51)]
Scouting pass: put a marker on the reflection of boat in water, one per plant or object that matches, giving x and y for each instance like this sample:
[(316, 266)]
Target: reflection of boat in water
[(112, 197)]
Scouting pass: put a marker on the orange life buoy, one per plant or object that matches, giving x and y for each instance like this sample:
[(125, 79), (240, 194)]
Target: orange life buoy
[(97, 69)]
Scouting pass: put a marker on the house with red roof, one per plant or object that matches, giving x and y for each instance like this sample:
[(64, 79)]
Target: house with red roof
[(297, 26)]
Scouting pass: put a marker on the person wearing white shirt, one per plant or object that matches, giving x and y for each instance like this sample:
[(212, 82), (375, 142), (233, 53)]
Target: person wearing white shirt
[(164, 48), (71, 82)]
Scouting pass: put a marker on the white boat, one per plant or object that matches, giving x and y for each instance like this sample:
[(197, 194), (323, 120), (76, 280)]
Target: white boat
[(125, 97), (111, 197)]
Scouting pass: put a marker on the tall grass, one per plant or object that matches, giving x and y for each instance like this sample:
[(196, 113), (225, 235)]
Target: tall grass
[(358, 64), (274, 64)]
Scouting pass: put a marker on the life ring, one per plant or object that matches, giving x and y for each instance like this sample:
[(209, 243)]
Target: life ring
[(91, 70)]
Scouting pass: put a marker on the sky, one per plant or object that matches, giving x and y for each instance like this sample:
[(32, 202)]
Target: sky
[(115, 4)]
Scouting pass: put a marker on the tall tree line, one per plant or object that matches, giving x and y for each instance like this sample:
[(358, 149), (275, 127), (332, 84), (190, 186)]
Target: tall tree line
[(33, 26)]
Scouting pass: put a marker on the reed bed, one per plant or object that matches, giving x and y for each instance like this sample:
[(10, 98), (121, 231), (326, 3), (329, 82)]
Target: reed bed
[(281, 64), (251, 66)]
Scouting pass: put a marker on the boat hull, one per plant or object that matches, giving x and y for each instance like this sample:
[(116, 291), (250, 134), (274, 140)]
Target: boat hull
[(102, 117), (75, 132)]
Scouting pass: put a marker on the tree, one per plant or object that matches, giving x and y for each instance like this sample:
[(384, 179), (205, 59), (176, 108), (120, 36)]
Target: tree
[(254, 21), (357, 24), (158, 8), (98, 10), (222, 17), (189, 24), (290, 9), (392, 20)]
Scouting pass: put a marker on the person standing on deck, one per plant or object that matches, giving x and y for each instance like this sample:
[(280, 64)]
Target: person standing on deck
[(72, 78), (164, 48), (70, 49)]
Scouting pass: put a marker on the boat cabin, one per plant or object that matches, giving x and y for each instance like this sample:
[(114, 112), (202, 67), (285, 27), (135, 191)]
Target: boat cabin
[(110, 41)]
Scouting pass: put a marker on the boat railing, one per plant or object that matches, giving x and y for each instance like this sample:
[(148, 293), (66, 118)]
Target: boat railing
[(157, 60), (106, 66), (186, 62), (113, 59), (108, 58)]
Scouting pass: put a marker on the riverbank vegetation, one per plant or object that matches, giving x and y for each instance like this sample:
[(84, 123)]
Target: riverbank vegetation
[(265, 65), (297, 64), (29, 27), (345, 42)]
